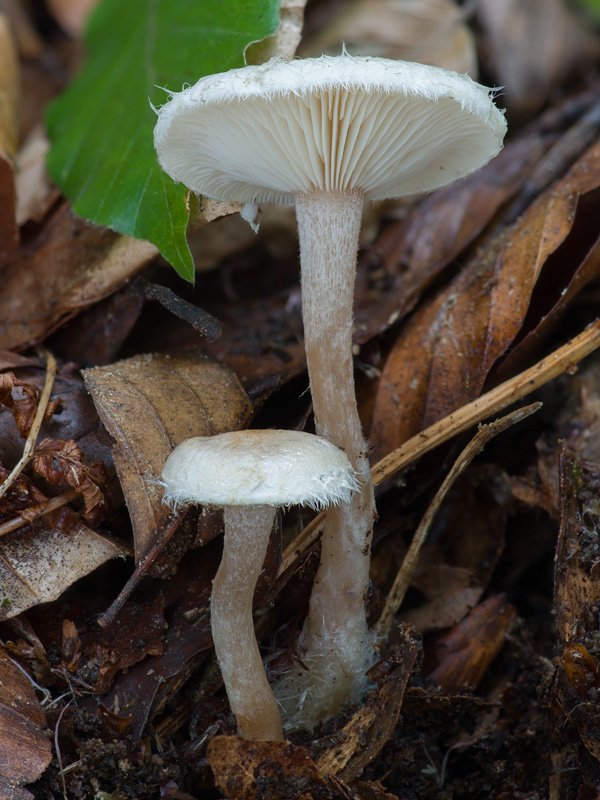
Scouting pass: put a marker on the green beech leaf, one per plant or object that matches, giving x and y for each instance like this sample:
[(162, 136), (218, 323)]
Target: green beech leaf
[(101, 127)]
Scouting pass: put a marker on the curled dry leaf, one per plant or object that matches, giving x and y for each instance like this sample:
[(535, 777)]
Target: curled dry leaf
[(447, 348), (25, 750), (63, 462), (23, 403), (40, 561), (149, 404), (9, 87)]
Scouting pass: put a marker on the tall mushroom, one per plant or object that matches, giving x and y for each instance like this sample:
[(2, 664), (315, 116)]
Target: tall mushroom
[(326, 134), (249, 474)]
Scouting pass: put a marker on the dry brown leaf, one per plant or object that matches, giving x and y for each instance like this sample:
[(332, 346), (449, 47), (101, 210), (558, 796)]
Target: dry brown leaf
[(149, 404), (40, 561), (23, 405), (444, 353), (466, 651), (534, 47), (255, 770), (25, 750), (70, 265), (428, 31), (415, 250), (9, 126), (62, 462)]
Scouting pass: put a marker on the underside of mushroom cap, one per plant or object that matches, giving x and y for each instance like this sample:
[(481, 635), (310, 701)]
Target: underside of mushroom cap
[(385, 128), (258, 467)]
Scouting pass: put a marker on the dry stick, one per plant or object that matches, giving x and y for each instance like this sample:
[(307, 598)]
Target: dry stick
[(37, 424), (56, 502), (459, 421), (409, 564)]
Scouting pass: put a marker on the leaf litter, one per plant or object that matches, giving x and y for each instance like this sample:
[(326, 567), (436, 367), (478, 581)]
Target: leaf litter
[(467, 302)]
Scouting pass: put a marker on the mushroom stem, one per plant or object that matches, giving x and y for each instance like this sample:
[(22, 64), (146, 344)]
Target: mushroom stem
[(335, 643), (248, 690)]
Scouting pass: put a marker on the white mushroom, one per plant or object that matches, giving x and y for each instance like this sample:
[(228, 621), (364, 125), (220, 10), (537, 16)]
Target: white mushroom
[(249, 474), (326, 134)]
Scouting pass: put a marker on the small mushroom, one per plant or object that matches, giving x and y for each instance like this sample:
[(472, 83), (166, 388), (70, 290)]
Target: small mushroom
[(326, 134), (250, 474)]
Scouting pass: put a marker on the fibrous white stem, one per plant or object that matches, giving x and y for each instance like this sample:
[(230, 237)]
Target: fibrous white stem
[(247, 530), (335, 643)]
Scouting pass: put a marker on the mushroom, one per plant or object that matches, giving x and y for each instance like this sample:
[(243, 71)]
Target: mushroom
[(326, 134), (249, 474)]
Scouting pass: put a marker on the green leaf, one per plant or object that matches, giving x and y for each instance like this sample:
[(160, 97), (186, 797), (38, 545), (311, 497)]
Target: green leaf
[(593, 6), (101, 127)]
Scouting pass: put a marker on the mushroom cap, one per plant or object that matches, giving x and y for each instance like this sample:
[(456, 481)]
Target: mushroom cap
[(258, 467), (385, 128)]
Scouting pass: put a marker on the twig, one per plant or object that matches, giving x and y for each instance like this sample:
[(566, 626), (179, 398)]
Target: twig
[(35, 427), (461, 420), (409, 564), (56, 502), (109, 616)]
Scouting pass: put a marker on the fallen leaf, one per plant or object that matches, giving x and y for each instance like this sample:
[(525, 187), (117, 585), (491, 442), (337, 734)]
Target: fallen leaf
[(466, 651), (38, 562), (414, 251), (69, 266), (62, 462), (428, 31), (25, 750), (255, 770), (445, 351), (9, 88), (151, 403), (23, 403), (148, 686), (454, 572), (534, 47)]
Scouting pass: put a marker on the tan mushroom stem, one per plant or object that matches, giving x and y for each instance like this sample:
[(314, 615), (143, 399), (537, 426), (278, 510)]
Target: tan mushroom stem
[(335, 639), (248, 690)]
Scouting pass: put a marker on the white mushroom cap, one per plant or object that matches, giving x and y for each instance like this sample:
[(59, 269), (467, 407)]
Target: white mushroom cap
[(386, 128), (258, 467)]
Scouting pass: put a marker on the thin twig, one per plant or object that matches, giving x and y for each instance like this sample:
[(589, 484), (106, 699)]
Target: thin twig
[(52, 504), (142, 568), (37, 424), (461, 420), (409, 564)]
